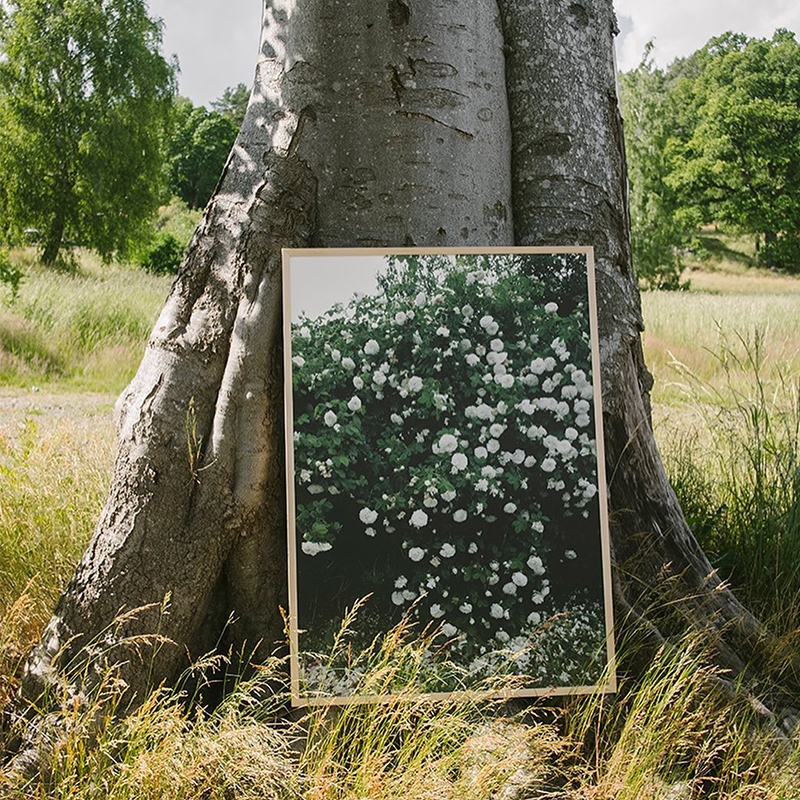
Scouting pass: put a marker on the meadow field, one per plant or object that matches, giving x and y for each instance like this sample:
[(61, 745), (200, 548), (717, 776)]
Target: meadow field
[(726, 359)]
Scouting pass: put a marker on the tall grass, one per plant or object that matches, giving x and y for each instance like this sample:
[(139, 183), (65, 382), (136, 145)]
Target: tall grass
[(741, 488), (52, 483), (697, 329), (83, 330)]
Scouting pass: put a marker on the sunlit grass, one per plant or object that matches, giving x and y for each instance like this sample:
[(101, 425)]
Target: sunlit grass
[(696, 328), (82, 329)]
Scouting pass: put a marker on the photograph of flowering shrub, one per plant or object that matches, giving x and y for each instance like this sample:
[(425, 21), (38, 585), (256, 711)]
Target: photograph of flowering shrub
[(444, 466)]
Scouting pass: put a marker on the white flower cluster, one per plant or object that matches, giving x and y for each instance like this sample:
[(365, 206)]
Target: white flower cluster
[(467, 452)]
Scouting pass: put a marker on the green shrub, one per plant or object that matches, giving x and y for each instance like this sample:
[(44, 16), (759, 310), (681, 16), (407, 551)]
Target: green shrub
[(164, 257), (10, 275)]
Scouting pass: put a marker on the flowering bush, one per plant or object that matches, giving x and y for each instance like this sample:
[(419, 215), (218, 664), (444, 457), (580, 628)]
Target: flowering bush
[(445, 459)]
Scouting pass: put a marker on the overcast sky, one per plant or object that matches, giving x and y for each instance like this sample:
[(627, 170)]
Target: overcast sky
[(216, 40)]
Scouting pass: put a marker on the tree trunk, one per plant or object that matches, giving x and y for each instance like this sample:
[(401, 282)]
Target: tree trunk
[(54, 237), (392, 124)]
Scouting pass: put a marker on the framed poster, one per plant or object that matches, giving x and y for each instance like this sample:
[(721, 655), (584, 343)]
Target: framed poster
[(445, 467)]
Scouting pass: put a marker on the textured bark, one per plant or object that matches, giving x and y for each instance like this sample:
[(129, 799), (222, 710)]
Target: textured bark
[(370, 123)]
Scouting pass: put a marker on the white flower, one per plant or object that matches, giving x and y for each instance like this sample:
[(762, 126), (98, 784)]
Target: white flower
[(484, 411), (472, 359), (534, 618), (305, 332), (420, 300), (564, 447), (571, 434), (548, 465), (472, 549), (315, 488), (437, 611), (496, 345), (465, 608), (482, 485), (520, 579), (397, 419), (459, 462), (449, 630), (336, 355), (530, 461), (502, 637), (497, 611), (581, 407), (378, 378), (397, 598), (489, 325), (354, 404), (448, 443), (551, 308), (371, 532), (348, 363), (447, 551), (481, 452), (535, 565), (570, 555), (367, 516), (496, 429), (415, 384), (416, 554), (372, 348), (492, 445), (488, 471), (510, 508), (401, 582), (419, 519), (330, 418), (460, 515), (400, 317), (299, 361), (442, 331), (312, 548), (357, 382), (449, 495), (506, 381), (582, 420), (510, 588)]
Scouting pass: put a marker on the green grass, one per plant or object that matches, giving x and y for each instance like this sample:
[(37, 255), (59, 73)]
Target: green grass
[(81, 330), (728, 421)]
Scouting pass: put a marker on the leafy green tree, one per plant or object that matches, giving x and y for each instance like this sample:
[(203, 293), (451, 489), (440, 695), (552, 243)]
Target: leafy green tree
[(198, 149), (233, 103), (657, 224), (84, 104), (736, 153)]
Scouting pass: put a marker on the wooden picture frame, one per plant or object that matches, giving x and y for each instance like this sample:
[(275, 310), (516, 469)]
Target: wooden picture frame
[(444, 460)]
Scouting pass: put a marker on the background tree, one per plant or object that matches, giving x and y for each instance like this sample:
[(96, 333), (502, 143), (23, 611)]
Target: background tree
[(233, 103), (657, 226), (84, 104), (198, 148), (371, 124), (735, 154)]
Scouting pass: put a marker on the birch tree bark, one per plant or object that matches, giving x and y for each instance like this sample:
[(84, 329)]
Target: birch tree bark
[(391, 123)]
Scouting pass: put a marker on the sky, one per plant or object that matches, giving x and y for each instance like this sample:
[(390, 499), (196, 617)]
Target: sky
[(216, 41)]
